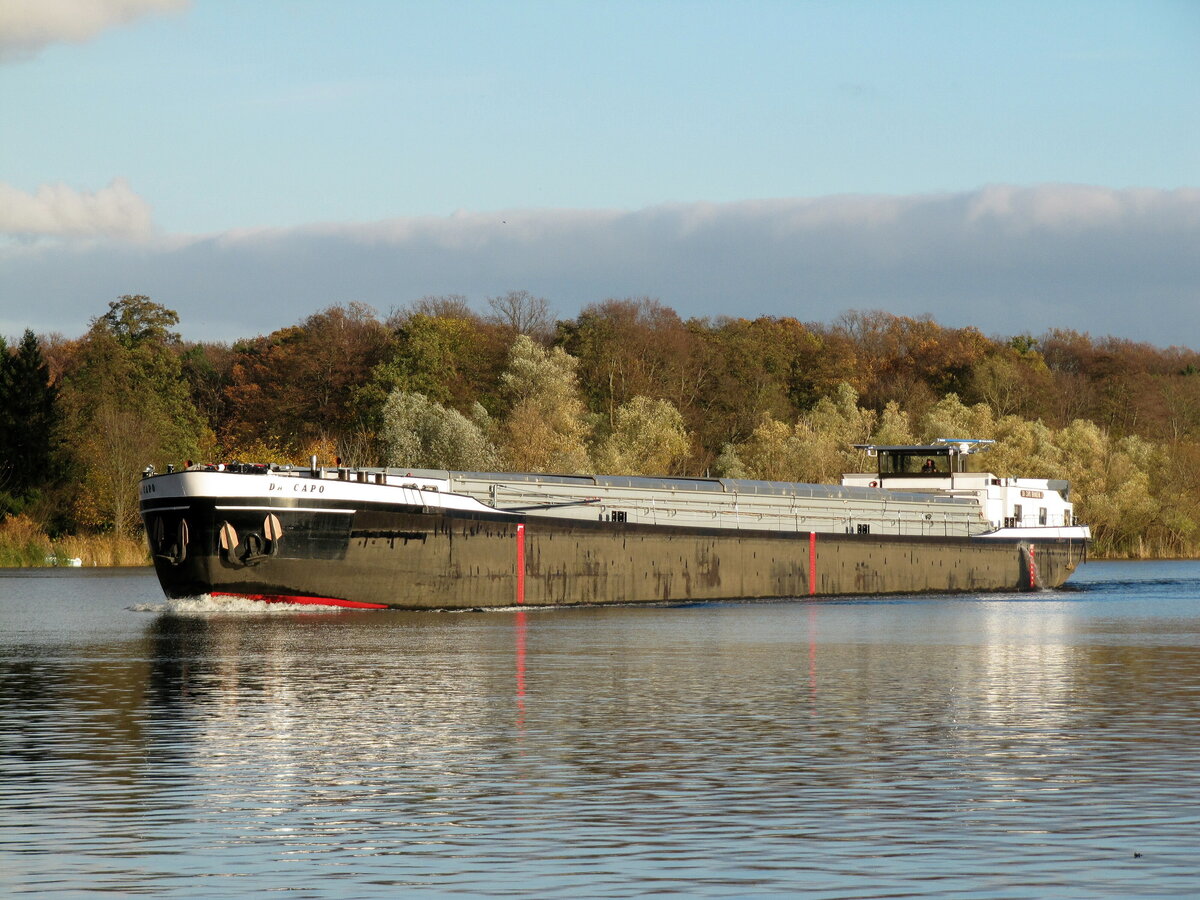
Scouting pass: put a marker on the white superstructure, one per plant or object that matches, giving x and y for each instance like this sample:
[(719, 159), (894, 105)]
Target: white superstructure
[(1038, 507)]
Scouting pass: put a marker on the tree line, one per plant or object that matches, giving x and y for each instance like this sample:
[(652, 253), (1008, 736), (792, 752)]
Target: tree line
[(626, 387)]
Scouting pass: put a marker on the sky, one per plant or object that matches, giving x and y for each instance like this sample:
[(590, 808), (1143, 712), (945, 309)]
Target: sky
[(1013, 166)]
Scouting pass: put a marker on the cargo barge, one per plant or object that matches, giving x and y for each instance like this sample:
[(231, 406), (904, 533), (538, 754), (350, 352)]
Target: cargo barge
[(431, 539)]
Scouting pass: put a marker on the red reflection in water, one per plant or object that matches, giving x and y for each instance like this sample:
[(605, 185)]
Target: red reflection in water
[(520, 636), (812, 658)]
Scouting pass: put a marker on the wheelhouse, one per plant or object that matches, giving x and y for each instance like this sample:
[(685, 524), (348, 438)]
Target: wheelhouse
[(907, 461)]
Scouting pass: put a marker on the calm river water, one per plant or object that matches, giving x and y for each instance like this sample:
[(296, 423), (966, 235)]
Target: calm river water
[(1000, 746)]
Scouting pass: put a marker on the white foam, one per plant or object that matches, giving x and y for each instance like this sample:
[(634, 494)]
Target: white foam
[(207, 605)]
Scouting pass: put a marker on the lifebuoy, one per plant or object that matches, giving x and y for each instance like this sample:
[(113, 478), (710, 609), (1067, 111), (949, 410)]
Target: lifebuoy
[(874, 484)]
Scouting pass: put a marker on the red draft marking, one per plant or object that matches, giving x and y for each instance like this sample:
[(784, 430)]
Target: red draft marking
[(520, 564), (812, 563), (1032, 569), (301, 600)]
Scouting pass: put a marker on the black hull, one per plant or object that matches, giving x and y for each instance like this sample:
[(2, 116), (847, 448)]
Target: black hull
[(413, 557)]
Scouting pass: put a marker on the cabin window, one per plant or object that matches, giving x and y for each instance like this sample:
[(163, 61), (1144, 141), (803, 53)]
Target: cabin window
[(1017, 513), (914, 463), (1042, 515)]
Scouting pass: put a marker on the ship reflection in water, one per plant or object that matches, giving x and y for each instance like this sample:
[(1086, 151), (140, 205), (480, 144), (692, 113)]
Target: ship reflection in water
[(1026, 745)]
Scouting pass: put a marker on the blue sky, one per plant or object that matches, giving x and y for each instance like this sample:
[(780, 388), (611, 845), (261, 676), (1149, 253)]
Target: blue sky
[(212, 153)]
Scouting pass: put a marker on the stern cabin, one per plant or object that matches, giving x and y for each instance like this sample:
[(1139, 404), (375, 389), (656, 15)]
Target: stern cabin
[(942, 468)]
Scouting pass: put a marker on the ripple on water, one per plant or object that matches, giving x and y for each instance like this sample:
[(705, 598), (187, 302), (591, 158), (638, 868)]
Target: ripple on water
[(914, 748)]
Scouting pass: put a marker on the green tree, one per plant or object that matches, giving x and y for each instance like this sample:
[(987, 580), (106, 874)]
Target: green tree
[(951, 418), (420, 433), (546, 428), (8, 437), (1007, 383), (1111, 482), (452, 359), (817, 449), (127, 405), (29, 417), (894, 426), (1022, 448), (207, 368), (648, 438)]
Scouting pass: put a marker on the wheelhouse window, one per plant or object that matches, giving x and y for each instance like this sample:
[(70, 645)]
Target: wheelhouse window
[(913, 464)]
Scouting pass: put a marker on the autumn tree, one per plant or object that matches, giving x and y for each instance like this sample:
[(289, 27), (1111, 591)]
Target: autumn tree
[(759, 367), (1180, 399), (127, 406), (296, 388), (634, 347), (1100, 380), (915, 359), (750, 370)]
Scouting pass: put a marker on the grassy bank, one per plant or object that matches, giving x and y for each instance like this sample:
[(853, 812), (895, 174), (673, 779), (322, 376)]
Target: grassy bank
[(23, 543)]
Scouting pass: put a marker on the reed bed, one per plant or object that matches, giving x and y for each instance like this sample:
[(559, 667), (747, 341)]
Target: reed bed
[(23, 543), (102, 550)]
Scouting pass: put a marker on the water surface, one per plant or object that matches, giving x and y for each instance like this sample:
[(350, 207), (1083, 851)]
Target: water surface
[(1041, 745)]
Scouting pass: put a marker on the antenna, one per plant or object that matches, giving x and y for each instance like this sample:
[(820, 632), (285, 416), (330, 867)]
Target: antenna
[(967, 445)]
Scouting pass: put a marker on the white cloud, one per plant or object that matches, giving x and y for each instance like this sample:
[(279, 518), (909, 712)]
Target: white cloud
[(1051, 206), (1007, 260), (62, 211), (26, 26)]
